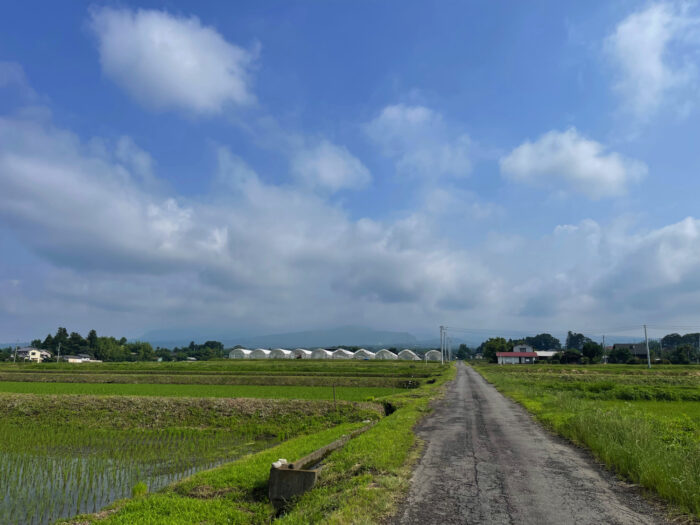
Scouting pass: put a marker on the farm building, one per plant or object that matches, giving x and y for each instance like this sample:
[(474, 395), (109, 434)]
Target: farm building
[(522, 348), (341, 353), (363, 353), (239, 353), (260, 353), (33, 354), (636, 349), (385, 354), (280, 353), (516, 358), (302, 353), (408, 355), (321, 353), (546, 354), (433, 355)]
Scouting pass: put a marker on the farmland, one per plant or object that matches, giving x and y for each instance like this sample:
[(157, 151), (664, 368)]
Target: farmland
[(643, 424), (84, 436)]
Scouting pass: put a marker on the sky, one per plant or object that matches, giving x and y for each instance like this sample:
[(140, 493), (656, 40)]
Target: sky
[(261, 167)]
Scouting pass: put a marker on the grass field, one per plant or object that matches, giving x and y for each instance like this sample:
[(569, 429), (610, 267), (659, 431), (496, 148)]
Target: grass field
[(185, 390), (83, 442), (642, 423)]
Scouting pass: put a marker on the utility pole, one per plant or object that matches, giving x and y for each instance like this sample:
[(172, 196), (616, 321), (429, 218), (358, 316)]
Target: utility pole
[(646, 341), (58, 357), (442, 344), (604, 356)]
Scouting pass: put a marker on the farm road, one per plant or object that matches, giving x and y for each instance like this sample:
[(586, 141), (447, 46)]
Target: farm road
[(486, 461)]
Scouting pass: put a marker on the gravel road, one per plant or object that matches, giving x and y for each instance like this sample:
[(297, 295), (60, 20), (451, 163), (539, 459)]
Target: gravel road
[(487, 461)]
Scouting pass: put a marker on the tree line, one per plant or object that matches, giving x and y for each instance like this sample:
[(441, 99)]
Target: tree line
[(578, 348), (113, 349)]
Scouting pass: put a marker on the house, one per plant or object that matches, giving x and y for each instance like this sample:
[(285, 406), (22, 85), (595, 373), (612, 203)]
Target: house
[(516, 358), (33, 354), (522, 348)]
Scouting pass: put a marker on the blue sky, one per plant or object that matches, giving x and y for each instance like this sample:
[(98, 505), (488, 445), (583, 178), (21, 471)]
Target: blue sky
[(259, 167)]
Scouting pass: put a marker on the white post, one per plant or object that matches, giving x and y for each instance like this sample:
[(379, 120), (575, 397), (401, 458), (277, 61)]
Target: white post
[(646, 341), (604, 358)]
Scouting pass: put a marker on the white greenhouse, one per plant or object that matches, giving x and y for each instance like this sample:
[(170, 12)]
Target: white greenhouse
[(280, 353), (260, 353), (363, 353), (321, 353), (302, 353), (433, 355), (385, 354), (341, 353), (239, 353), (408, 355)]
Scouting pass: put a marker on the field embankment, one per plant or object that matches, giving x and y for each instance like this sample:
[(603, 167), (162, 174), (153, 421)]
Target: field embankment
[(643, 424)]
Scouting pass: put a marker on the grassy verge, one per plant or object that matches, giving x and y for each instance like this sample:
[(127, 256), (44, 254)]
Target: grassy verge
[(657, 447), (361, 483)]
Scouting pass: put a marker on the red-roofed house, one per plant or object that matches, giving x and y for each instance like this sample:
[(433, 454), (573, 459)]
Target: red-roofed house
[(516, 358)]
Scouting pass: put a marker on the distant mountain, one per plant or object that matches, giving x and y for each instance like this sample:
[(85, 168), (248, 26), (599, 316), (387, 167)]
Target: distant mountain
[(345, 335)]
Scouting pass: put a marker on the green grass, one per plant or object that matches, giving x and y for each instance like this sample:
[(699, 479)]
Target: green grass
[(170, 390), (643, 424), (360, 483)]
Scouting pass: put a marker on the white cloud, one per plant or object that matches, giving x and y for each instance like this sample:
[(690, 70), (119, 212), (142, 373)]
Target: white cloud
[(566, 159), (654, 50), (170, 62), (329, 167), (420, 142), (247, 249)]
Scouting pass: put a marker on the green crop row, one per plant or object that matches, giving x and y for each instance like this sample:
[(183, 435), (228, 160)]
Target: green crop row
[(168, 390)]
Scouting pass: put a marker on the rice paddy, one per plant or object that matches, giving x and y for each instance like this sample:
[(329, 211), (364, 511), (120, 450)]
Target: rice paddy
[(73, 446)]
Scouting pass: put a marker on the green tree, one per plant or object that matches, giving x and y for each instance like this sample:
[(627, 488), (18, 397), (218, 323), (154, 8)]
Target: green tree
[(92, 340), (492, 346), (543, 342), (592, 350), (619, 355), (570, 355), (576, 341), (462, 352)]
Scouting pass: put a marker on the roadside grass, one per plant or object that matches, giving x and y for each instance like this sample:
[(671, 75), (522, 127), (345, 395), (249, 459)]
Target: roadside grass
[(360, 483), (647, 433), (189, 390)]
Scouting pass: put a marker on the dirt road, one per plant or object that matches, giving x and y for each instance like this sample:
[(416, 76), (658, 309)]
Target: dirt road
[(486, 461)]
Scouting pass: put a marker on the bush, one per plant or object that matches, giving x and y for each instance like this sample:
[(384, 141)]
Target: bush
[(139, 490)]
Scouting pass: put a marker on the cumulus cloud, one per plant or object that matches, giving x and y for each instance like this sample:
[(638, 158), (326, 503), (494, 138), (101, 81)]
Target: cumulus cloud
[(654, 50), (247, 249), (567, 160), (166, 61), (329, 167), (420, 142)]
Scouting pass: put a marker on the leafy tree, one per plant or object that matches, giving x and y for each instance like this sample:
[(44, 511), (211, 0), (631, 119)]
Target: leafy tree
[(570, 355), (493, 345), (671, 341), (36, 343), (49, 344), (543, 342), (592, 350), (619, 355), (576, 341), (92, 340), (681, 355), (462, 352)]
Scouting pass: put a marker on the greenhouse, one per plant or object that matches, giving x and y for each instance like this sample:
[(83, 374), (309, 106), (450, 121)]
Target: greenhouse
[(363, 353), (385, 354), (408, 355), (260, 353), (321, 353), (280, 353), (239, 353), (433, 355), (341, 353), (302, 353)]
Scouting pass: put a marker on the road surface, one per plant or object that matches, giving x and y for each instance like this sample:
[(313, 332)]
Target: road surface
[(487, 461)]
